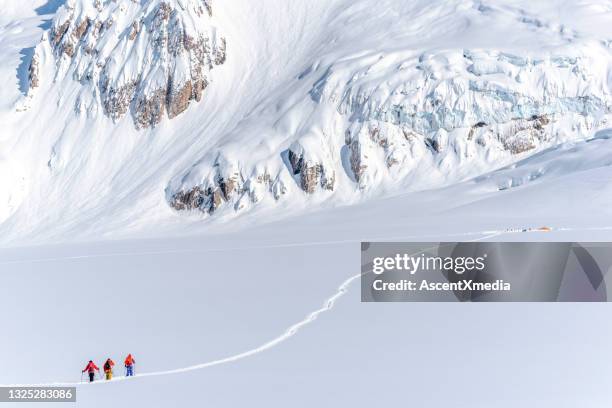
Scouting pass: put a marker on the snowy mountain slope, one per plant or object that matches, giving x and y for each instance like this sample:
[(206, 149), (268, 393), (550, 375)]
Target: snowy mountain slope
[(320, 104), (417, 109), (104, 168)]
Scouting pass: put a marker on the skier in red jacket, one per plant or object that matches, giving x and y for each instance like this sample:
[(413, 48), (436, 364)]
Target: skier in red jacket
[(91, 369)]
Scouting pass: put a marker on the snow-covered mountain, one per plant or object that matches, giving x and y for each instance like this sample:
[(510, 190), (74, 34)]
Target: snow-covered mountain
[(258, 142), (135, 117)]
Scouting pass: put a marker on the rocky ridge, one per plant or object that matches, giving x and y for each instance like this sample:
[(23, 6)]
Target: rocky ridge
[(149, 58), (478, 108)]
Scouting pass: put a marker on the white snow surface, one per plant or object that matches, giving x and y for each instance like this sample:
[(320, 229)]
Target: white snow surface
[(195, 314)]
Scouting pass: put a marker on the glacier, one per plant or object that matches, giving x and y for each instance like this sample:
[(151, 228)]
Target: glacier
[(148, 117)]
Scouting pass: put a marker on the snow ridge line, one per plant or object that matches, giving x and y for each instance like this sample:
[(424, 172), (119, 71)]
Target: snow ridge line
[(328, 305)]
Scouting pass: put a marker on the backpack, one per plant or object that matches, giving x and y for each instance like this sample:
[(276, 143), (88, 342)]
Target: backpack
[(107, 366)]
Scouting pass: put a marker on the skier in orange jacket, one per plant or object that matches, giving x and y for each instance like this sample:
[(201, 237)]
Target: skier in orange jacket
[(129, 366)]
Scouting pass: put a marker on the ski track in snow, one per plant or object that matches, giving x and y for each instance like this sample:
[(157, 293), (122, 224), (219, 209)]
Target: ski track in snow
[(290, 332)]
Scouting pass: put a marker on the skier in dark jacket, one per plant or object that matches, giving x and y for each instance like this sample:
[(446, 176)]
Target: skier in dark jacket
[(108, 369), (91, 369)]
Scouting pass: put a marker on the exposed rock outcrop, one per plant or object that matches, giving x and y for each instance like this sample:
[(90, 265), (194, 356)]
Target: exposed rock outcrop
[(180, 95), (224, 185), (188, 200), (150, 58), (313, 172), (34, 72), (206, 200), (150, 107)]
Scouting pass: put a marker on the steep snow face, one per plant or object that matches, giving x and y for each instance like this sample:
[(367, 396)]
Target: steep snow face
[(150, 58), (403, 114), (322, 103)]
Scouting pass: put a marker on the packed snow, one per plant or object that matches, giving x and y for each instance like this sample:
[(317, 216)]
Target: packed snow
[(177, 303)]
